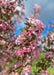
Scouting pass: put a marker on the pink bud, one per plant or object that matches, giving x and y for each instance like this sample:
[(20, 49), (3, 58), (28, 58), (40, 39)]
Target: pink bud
[(29, 34), (42, 71), (53, 48), (50, 39), (44, 44), (48, 33), (13, 73), (7, 24), (9, 44), (47, 39), (26, 27)]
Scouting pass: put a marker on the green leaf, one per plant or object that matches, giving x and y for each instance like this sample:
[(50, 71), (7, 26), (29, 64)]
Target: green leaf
[(41, 56), (25, 62), (10, 47), (1, 46), (19, 68)]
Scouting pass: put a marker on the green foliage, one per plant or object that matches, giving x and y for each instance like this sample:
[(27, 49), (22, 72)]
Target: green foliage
[(25, 63), (42, 63), (10, 47), (1, 46), (51, 70), (19, 69), (41, 56), (22, 29), (33, 66)]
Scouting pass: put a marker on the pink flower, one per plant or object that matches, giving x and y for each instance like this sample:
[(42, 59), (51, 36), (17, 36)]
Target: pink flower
[(18, 52), (22, 6), (28, 49), (13, 73), (45, 72), (3, 26), (52, 35), (48, 55), (20, 39), (46, 39), (52, 25), (26, 70), (50, 39), (25, 32), (3, 72), (48, 33), (36, 7), (18, 64), (37, 15), (43, 26), (44, 44), (24, 49), (29, 35), (52, 60), (32, 15), (53, 48), (19, 43), (42, 71), (9, 44), (26, 27), (16, 73), (7, 24), (52, 63)]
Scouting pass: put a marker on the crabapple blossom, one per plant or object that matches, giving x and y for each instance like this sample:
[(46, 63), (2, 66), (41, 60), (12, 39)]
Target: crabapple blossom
[(18, 52), (53, 48), (48, 33), (52, 25), (45, 72), (36, 7), (26, 70), (48, 55), (7, 38), (52, 63)]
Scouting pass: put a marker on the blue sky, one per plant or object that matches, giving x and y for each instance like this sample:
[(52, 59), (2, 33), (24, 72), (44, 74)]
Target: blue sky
[(46, 13)]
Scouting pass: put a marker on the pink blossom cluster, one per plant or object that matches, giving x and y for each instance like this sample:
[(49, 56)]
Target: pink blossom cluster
[(53, 48), (20, 51), (48, 55), (52, 25), (49, 41), (22, 6), (20, 38), (7, 37), (45, 72), (5, 2), (52, 63), (15, 73), (52, 36), (28, 41), (36, 14), (3, 26), (26, 70), (36, 7), (35, 53), (16, 65), (36, 23)]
